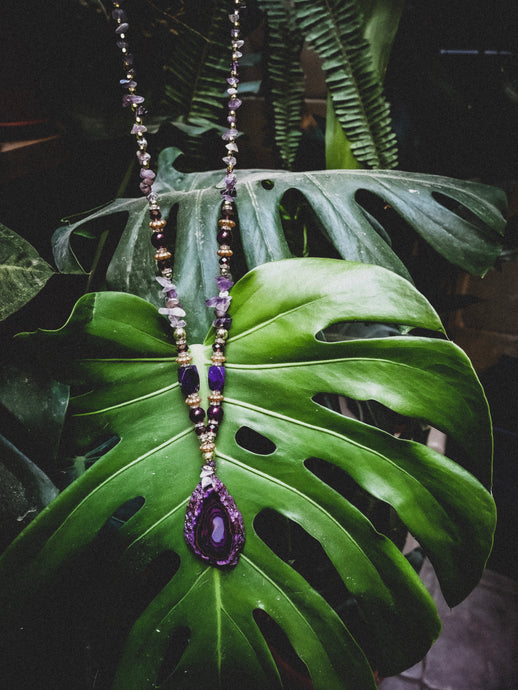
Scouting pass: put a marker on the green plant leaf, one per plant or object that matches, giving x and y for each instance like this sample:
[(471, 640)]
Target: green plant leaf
[(333, 28), (468, 237), (23, 273), (118, 349), (285, 81)]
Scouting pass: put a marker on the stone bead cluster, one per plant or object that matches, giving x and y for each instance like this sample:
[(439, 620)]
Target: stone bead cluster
[(231, 133)]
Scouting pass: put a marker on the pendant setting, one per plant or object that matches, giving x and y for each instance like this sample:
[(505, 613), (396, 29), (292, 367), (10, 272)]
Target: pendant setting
[(214, 526)]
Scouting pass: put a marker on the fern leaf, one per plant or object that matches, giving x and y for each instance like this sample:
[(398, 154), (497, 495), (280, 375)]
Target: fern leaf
[(333, 28), (285, 78), (198, 68)]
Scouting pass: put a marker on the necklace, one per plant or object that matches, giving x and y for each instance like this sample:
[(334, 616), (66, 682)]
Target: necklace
[(213, 524)]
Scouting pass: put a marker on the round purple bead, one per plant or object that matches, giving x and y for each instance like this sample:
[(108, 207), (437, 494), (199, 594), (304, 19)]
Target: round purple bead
[(215, 413)]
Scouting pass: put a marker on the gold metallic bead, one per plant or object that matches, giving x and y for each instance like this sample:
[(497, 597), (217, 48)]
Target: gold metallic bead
[(226, 223), (179, 334), (162, 254), (225, 250), (193, 400), (219, 341), (218, 358), (157, 224), (181, 344), (221, 333), (216, 397), (183, 359), (207, 457), (207, 447)]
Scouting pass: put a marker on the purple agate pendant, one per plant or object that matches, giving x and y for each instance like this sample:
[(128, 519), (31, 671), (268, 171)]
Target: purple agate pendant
[(213, 524)]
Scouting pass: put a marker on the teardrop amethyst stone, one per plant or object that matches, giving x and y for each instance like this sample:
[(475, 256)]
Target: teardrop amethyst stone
[(214, 526)]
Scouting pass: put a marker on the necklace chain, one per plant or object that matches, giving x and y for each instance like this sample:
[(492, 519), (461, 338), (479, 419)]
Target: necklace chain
[(206, 425)]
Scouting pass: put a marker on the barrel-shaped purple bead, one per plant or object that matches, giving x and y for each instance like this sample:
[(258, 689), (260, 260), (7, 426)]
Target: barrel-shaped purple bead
[(216, 378), (189, 379)]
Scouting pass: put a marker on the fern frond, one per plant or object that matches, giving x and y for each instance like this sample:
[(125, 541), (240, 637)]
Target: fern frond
[(333, 28), (198, 68), (285, 78)]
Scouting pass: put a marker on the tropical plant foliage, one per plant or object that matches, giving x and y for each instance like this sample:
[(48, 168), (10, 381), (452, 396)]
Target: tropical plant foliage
[(116, 348), (23, 273), (461, 220), (334, 29), (285, 78)]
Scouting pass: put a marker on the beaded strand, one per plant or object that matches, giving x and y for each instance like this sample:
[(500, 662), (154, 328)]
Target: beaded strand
[(206, 425)]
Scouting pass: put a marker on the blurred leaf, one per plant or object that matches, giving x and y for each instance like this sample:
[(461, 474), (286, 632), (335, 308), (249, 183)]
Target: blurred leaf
[(23, 273)]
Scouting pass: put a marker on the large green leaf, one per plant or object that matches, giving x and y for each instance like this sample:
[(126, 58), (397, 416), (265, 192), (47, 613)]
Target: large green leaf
[(468, 237), (118, 349), (23, 273)]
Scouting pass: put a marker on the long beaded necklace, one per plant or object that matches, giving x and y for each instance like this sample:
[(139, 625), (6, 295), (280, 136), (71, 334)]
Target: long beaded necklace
[(213, 524)]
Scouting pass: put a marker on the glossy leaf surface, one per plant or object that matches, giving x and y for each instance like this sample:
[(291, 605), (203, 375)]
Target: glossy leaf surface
[(23, 273), (118, 349), (471, 242)]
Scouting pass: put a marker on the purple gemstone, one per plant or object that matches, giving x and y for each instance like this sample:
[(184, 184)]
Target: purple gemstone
[(122, 45), (188, 379), (214, 526), (224, 283), (224, 236), (144, 188), (119, 15), (215, 413), (122, 28), (147, 174), (235, 103), (223, 322), (233, 81), (158, 240), (216, 379), (131, 99), (196, 414), (230, 135)]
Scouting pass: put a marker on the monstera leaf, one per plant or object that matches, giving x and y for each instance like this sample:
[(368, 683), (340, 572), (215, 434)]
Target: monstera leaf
[(469, 236), (283, 457)]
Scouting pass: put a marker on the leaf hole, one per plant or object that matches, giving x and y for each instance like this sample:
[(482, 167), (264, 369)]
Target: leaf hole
[(389, 224), (178, 642), (296, 547), (267, 184), (86, 240), (303, 230), (123, 513), (171, 227), (459, 209), (305, 554), (292, 670), (381, 514), (356, 330), (76, 465), (254, 442)]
